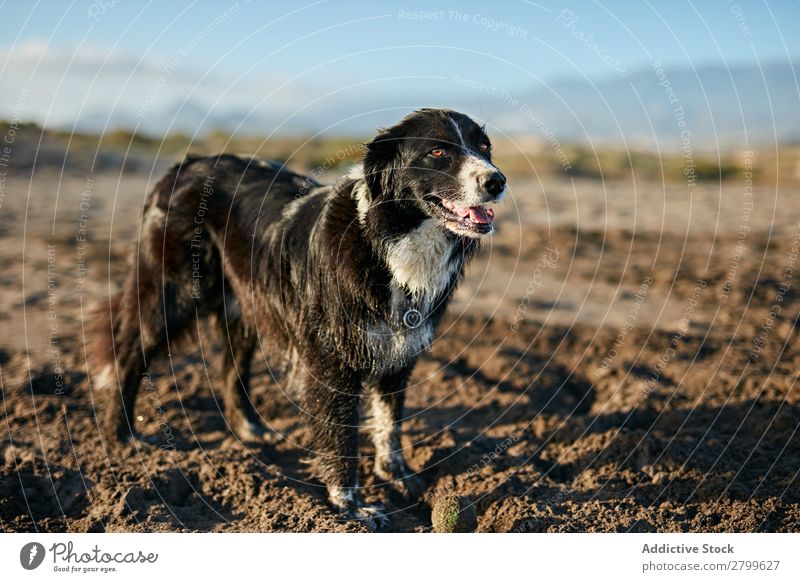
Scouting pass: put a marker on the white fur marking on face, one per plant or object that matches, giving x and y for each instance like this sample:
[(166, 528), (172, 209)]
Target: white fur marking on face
[(458, 132), (420, 261), (473, 167)]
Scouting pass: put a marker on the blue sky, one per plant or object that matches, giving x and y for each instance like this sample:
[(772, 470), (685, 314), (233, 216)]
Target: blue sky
[(673, 31), (297, 49)]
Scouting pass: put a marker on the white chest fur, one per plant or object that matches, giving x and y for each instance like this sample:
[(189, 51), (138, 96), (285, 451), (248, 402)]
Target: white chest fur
[(421, 268), (420, 261)]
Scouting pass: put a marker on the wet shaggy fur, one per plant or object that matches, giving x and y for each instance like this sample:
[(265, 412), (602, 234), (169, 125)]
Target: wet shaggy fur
[(343, 285)]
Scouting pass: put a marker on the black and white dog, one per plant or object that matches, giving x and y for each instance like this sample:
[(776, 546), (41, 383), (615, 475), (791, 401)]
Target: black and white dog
[(345, 283)]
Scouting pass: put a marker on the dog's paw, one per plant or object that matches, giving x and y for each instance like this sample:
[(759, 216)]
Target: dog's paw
[(115, 437), (373, 516), (148, 442), (251, 431), (349, 502)]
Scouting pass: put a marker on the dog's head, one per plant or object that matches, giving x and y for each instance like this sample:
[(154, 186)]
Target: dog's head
[(437, 164)]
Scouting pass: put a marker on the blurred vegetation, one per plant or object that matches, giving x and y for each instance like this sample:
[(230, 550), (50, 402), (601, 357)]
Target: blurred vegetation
[(609, 163), (523, 156)]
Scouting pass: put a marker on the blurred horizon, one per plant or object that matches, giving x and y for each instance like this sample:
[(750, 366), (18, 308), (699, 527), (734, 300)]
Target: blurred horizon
[(612, 73)]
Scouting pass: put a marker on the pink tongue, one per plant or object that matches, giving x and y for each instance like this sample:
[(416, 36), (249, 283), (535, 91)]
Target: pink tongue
[(479, 214)]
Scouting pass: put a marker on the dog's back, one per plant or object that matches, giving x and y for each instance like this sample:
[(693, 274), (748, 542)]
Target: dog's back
[(203, 209)]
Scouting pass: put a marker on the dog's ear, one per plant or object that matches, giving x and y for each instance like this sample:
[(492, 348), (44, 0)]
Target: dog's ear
[(381, 161)]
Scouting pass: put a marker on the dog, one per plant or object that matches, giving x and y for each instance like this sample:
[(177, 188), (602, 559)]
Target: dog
[(344, 283)]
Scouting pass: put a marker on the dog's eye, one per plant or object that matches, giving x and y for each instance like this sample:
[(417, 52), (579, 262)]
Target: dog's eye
[(484, 147), (437, 152)]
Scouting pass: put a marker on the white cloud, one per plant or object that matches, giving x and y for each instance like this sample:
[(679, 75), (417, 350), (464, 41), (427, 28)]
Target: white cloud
[(89, 86)]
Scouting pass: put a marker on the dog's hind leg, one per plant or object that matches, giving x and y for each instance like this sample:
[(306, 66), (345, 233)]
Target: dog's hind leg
[(241, 414), (151, 310), (119, 421), (386, 400), (139, 337)]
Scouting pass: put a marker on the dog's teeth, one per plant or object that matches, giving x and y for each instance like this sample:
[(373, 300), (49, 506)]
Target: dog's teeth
[(461, 211)]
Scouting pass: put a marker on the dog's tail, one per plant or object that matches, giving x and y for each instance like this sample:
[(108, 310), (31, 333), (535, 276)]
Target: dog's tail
[(101, 334)]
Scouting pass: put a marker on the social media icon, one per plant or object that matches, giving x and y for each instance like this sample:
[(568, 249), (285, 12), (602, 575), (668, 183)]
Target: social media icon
[(31, 555)]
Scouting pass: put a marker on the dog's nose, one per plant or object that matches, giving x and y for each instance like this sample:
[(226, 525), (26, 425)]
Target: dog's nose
[(494, 184)]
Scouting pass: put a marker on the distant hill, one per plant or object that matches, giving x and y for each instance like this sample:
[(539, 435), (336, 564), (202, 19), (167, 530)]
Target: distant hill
[(740, 105), (737, 107)]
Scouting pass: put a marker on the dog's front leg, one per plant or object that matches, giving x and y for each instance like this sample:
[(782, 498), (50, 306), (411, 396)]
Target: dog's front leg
[(330, 405), (386, 401)]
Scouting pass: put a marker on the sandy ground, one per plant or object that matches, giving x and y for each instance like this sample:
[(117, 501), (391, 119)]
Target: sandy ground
[(621, 357)]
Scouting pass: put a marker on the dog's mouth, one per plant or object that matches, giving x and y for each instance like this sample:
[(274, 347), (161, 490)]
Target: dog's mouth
[(462, 219)]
